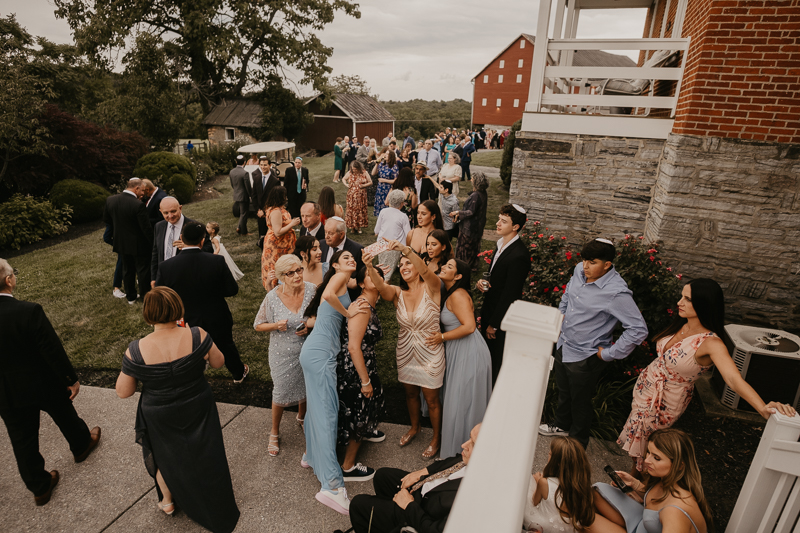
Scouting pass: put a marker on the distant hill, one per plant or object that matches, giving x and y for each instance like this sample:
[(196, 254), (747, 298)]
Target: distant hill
[(423, 118)]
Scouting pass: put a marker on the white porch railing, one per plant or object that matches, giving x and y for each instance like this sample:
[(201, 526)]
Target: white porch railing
[(492, 496), (770, 498)]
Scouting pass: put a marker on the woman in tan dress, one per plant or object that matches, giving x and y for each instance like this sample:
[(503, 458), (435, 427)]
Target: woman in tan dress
[(419, 366), (357, 182), (280, 237)]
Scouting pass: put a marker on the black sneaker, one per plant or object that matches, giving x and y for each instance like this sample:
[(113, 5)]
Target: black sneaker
[(359, 473), (375, 436), (551, 431)]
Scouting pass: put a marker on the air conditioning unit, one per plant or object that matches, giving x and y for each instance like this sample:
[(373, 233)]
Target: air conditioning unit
[(767, 359)]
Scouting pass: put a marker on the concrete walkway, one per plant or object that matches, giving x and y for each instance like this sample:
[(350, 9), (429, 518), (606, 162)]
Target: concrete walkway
[(111, 490)]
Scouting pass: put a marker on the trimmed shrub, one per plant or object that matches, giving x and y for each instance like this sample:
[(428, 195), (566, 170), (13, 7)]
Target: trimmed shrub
[(508, 154), (86, 199), (171, 172), (25, 220)]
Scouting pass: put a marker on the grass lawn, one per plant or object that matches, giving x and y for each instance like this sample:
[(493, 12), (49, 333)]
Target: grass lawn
[(487, 158), (72, 281)]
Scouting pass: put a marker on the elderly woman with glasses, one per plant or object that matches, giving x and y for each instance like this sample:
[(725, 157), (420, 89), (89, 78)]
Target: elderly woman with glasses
[(281, 313)]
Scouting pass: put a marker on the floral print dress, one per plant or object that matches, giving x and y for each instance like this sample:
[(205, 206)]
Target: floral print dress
[(358, 415), (356, 216), (388, 173), (275, 246), (662, 393)]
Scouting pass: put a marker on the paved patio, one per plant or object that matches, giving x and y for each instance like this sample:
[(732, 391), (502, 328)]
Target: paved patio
[(111, 490)]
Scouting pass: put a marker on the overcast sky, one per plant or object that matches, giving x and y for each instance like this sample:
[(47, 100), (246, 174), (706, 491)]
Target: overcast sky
[(407, 48)]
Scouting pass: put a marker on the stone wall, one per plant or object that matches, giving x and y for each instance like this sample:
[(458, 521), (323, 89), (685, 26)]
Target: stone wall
[(729, 209), (216, 136), (585, 186)]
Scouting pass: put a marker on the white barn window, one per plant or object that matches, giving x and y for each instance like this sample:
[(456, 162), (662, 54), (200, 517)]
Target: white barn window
[(522, 43), (484, 102), (499, 101), (230, 134), (520, 62), (516, 102), (486, 78), (500, 78), (519, 78), (502, 63)]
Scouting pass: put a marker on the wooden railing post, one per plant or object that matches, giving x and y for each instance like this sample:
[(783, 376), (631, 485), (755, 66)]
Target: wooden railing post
[(492, 495)]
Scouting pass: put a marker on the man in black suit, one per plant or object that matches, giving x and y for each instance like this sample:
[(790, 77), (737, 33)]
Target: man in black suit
[(133, 237), (426, 190), (203, 281), (36, 375), (511, 263), (336, 239), (166, 237), (263, 182), (312, 222), (152, 201), (421, 499), (239, 183), (295, 179)]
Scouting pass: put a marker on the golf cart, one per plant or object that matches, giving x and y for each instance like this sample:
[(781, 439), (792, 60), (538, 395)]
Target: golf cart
[(280, 149)]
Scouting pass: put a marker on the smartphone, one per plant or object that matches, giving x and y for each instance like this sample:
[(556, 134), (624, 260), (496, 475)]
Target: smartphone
[(300, 327), (621, 485)]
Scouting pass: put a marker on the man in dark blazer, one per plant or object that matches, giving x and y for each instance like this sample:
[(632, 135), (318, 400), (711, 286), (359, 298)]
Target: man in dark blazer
[(295, 179), (421, 500), (167, 232), (336, 239), (312, 221), (424, 184), (152, 201), (511, 264), (263, 182), (203, 281), (239, 183), (36, 375), (133, 237)]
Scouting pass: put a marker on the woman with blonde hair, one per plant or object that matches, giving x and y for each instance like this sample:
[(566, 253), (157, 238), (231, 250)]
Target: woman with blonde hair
[(281, 314)]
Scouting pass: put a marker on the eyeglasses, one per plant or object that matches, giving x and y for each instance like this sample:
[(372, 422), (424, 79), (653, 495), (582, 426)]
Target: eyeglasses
[(16, 272), (292, 273)]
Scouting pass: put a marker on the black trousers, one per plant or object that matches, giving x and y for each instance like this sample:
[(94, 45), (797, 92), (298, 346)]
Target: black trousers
[(384, 515), (465, 171), (577, 384), (244, 211), (262, 226), (133, 267), (496, 346), (22, 425), (223, 338)]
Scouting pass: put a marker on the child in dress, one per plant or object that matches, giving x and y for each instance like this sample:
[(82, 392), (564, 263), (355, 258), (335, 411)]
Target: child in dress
[(560, 497), (219, 249)]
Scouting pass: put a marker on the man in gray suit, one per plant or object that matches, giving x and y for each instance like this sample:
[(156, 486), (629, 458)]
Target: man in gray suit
[(240, 194), (363, 152)]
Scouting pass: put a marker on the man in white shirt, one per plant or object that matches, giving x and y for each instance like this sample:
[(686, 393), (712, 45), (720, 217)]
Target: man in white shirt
[(312, 223), (167, 236), (392, 225), (336, 240), (431, 158)]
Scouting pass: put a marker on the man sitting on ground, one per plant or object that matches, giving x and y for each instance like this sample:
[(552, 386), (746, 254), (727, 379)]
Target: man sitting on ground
[(421, 499)]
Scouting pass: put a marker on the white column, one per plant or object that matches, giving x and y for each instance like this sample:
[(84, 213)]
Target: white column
[(492, 495), (539, 57)]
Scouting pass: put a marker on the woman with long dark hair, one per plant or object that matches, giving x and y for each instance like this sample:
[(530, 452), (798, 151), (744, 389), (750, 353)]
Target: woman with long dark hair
[(280, 238), (438, 251), (327, 205), (690, 346), (468, 374), (307, 249), (429, 218), (405, 183), (357, 182), (331, 306), (387, 171), (471, 221), (672, 492)]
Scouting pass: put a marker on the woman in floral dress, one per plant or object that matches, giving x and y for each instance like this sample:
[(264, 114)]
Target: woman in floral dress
[(280, 237), (689, 347), (357, 182), (361, 402), (387, 173)]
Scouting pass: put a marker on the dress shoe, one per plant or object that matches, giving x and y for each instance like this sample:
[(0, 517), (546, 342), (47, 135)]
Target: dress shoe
[(44, 498), (94, 439)]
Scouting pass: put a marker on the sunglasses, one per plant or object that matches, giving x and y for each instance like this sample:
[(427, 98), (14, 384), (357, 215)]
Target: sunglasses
[(292, 273)]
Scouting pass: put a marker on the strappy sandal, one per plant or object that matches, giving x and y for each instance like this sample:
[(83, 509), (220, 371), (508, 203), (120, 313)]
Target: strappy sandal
[(274, 447), (406, 439), (164, 506), (301, 422), (430, 452)]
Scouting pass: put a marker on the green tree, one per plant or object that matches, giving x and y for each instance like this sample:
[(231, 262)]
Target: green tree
[(349, 85), (23, 99), (284, 113), (223, 47)]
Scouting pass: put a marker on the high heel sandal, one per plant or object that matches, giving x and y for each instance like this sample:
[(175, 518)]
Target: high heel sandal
[(274, 448), (164, 506)]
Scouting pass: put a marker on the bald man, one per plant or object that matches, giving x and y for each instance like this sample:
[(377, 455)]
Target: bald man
[(167, 236)]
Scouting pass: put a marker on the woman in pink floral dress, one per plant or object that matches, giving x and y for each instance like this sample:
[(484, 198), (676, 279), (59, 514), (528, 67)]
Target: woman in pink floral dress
[(689, 347), (357, 182)]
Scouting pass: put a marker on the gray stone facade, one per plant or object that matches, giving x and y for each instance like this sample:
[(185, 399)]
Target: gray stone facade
[(721, 208), (216, 136)]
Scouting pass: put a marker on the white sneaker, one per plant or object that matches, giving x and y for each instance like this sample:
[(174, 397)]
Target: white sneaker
[(552, 431), (338, 501), (131, 302), (118, 293)]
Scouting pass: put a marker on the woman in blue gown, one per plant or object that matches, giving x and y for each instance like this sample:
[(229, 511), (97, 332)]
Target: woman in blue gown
[(331, 306)]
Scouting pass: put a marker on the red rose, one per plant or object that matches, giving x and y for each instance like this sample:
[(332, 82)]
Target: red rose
[(556, 289), (540, 235), (546, 290)]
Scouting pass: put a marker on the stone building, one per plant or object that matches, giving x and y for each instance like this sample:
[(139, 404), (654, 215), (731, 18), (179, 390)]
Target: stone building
[(228, 121), (706, 160)]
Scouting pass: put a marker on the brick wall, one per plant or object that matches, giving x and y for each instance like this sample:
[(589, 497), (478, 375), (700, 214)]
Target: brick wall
[(743, 71), (507, 91)]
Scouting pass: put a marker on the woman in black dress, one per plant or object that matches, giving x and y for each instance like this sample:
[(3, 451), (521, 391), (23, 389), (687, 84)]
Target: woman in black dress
[(177, 423), (472, 220), (360, 392)]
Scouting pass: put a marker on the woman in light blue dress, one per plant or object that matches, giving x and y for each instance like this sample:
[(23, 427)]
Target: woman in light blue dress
[(468, 369), (331, 305)]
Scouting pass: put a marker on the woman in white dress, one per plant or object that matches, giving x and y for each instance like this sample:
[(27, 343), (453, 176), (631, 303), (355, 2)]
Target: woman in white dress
[(212, 228)]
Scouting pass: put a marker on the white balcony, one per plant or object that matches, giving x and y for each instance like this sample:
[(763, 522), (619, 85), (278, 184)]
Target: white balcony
[(616, 101)]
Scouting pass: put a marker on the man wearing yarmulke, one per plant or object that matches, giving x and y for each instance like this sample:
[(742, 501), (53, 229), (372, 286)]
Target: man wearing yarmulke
[(511, 263), (595, 301)]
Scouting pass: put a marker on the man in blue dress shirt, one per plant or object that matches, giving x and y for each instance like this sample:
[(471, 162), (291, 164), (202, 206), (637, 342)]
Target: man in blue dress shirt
[(595, 300)]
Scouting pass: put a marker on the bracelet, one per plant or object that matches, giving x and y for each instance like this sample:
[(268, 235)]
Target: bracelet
[(442, 337), (366, 384)]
